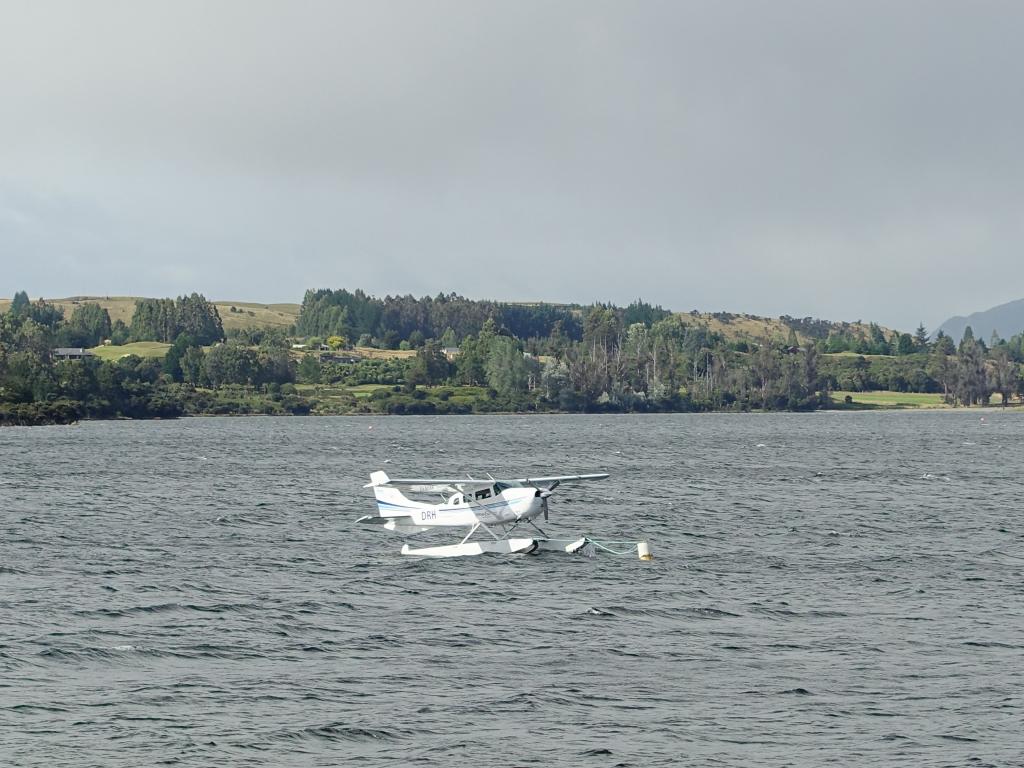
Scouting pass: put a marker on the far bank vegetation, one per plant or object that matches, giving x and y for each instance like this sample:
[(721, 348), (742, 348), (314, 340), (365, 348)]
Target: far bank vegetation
[(349, 352)]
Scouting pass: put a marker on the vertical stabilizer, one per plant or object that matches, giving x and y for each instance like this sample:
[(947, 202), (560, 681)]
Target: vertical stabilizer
[(391, 502)]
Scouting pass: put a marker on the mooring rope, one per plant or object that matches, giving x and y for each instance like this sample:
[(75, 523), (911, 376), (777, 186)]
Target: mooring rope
[(606, 548)]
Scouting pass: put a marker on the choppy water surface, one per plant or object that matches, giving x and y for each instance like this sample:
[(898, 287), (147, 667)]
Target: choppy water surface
[(828, 588)]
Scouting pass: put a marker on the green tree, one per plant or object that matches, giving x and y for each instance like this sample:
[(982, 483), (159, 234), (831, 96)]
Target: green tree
[(1004, 374), (506, 369), (172, 360), (905, 344), (19, 304), (470, 364), (192, 365), (272, 365), (921, 338), (971, 376), (229, 364), (198, 318), (89, 326), (966, 338), (944, 344), (941, 366), (431, 366), (309, 370), (119, 333), (811, 379), (879, 345), (50, 316), (765, 369)]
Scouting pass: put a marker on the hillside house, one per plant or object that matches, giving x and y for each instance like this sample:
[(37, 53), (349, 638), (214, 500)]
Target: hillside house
[(71, 353)]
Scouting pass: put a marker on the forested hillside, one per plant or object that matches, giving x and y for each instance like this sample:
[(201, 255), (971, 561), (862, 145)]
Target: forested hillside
[(351, 352)]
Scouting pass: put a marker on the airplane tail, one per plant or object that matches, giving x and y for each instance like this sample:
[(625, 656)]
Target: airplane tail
[(391, 502)]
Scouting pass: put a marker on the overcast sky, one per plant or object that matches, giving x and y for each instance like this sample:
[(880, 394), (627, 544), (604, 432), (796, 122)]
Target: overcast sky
[(846, 160)]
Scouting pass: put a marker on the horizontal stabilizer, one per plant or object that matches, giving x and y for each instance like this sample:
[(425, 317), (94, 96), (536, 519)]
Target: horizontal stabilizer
[(377, 520)]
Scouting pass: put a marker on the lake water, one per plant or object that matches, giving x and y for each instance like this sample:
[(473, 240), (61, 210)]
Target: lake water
[(828, 588)]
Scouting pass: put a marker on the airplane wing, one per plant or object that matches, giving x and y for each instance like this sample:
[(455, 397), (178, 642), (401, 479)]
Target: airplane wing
[(449, 485), (441, 486), (561, 479), (427, 485)]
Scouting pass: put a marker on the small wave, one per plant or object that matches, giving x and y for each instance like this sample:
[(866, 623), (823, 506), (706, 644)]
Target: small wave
[(617, 611), (796, 692), (710, 613), (342, 732), (79, 655), (38, 708), (786, 614), (988, 644), (165, 607)]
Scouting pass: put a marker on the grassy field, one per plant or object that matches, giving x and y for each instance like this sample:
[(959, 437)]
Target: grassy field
[(371, 353), (250, 315), (140, 348), (883, 399), (247, 315), (753, 328), (118, 307), (365, 390)]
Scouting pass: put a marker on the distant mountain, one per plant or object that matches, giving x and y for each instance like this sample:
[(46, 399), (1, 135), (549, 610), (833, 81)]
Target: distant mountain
[(1006, 319)]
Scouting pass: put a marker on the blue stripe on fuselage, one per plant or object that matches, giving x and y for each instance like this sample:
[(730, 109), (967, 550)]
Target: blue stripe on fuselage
[(391, 504)]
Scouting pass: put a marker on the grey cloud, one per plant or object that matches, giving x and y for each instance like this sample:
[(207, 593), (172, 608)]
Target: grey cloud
[(848, 161)]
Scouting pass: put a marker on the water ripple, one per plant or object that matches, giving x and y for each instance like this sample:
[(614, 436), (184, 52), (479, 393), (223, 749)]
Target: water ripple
[(827, 589)]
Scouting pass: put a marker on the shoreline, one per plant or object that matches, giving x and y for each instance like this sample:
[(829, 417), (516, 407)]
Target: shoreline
[(981, 409)]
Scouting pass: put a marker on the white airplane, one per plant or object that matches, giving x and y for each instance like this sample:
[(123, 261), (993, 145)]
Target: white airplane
[(497, 507)]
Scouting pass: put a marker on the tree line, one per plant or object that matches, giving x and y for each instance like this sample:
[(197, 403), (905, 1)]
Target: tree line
[(167, 319), (596, 357), (387, 322), (37, 387)]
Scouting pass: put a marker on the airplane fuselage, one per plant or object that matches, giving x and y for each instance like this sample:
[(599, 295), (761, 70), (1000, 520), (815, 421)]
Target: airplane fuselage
[(462, 510)]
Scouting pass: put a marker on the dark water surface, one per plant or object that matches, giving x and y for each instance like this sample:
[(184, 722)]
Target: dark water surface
[(828, 589)]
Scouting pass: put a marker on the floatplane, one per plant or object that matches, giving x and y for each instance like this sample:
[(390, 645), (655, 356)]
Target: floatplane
[(482, 508)]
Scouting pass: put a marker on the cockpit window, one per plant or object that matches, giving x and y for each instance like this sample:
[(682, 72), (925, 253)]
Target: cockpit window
[(484, 494)]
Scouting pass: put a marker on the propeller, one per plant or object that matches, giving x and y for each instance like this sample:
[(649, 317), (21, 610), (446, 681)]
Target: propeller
[(544, 498)]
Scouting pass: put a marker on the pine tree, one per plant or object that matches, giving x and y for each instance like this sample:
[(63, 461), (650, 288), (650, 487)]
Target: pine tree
[(921, 338)]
